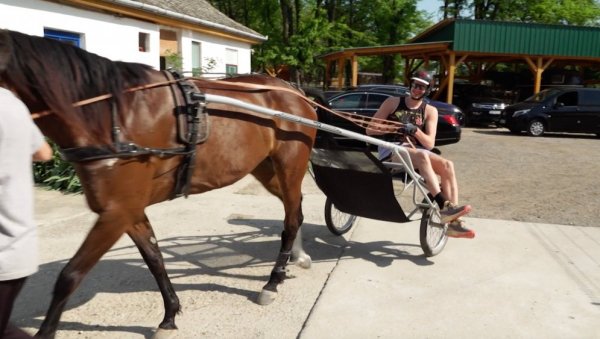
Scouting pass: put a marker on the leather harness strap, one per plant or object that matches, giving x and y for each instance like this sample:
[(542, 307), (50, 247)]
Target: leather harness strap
[(362, 121), (131, 149)]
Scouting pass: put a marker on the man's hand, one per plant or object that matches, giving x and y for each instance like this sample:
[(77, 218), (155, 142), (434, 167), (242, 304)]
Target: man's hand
[(408, 129)]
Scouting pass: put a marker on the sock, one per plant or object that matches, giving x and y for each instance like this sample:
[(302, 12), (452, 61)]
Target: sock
[(440, 199)]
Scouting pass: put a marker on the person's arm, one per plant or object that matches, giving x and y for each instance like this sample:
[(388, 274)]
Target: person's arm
[(42, 150), (386, 108), (426, 136), (43, 153)]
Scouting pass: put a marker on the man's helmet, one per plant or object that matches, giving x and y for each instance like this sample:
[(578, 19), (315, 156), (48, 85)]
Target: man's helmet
[(422, 78)]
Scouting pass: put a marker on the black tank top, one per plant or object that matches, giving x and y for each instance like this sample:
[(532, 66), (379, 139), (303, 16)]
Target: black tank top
[(406, 115)]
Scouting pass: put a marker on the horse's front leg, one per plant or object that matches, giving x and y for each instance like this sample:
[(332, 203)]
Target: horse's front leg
[(109, 227), (143, 237)]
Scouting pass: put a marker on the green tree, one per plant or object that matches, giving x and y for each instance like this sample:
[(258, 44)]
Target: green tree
[(394, 22), (300, 30), (567, 12)]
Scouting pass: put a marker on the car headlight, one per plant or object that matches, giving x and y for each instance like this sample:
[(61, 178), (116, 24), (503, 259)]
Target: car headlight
[(475, 105), (520, 112)]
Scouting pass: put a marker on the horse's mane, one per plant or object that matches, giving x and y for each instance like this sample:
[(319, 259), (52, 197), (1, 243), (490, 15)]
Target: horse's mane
[(263, 79), (59, 74)]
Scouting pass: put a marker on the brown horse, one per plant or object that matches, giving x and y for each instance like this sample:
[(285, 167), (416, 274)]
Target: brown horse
[(118, 185)]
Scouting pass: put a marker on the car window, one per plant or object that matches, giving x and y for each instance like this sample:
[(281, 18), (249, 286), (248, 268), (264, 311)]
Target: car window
[(567, 99), (353, 100), (374, 101), (542, 96), (589, 98), (399, 90)]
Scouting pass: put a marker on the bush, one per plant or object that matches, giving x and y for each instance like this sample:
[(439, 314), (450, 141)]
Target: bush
[(57, 174)]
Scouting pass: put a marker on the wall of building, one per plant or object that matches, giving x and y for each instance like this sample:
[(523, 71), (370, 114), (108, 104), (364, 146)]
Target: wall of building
[(215, 48), (116, 37)]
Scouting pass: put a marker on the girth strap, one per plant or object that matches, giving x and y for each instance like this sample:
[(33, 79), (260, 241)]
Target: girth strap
[(196, 117)]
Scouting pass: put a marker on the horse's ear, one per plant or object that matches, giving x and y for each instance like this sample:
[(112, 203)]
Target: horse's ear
[(5, 49)]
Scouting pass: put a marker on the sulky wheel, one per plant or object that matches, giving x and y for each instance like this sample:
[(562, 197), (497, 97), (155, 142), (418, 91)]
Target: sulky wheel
[(337, 221), (432, 233)]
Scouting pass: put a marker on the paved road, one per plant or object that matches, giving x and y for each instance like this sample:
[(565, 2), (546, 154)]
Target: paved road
[(515, 280)]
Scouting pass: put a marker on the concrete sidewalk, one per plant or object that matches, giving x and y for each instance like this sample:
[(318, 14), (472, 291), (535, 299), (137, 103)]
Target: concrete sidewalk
[(514, 280)]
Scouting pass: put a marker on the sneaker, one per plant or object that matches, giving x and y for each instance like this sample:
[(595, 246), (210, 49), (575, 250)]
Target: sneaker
[(452, 212), (457, 229)]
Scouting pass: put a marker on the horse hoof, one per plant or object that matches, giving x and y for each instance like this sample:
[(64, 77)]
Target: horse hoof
[(303, 261), (266, 297), (164, 334)]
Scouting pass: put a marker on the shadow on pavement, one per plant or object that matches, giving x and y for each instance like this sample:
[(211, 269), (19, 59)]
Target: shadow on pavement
[(215, 255)]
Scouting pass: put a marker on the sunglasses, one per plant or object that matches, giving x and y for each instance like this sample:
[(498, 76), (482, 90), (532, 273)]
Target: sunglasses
[(419, 86)]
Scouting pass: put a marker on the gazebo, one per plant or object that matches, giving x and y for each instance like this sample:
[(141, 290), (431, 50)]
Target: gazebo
[(480, 45)]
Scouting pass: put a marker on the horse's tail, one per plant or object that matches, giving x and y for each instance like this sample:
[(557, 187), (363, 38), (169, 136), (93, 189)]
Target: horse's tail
[(318, 96), (323, 139)]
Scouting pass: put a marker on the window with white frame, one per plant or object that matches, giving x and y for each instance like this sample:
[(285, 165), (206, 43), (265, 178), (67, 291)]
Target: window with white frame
[(196, 59), (231, 61)]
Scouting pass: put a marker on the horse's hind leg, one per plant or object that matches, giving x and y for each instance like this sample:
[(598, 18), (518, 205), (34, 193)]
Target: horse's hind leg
[(286, 184), (266, 175), (108, 229), (143, 237)]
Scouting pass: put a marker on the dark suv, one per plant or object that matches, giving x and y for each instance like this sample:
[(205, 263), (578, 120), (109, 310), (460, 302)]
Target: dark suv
[(480, 103), (575, 110)]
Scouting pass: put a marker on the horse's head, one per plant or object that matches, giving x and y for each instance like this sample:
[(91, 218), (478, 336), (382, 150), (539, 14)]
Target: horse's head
[(52, 76), (12, 75)]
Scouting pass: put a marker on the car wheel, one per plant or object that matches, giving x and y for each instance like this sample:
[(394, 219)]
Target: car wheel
[(536, 128)]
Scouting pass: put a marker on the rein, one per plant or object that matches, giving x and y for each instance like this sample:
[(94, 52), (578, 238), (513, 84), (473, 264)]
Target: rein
[(107, 96), (130, 149), (369, 123)]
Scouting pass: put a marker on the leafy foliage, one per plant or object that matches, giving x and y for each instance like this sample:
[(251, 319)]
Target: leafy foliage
[(567, 12), (173, 60), (301, 30), (57, 174)]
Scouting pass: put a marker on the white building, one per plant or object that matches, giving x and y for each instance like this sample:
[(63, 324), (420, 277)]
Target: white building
[(152, 32)]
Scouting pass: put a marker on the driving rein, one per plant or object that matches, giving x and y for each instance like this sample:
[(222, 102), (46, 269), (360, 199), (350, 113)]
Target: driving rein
[(193, 111)]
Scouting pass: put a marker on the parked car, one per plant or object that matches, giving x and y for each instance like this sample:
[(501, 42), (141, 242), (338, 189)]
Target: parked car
[(366, 103), (479, 103), (442, 107), (575, 110)]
